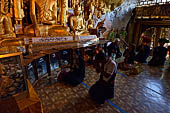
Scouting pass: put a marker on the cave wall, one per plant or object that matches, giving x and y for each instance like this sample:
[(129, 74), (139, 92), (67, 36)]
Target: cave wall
[(120, 16)]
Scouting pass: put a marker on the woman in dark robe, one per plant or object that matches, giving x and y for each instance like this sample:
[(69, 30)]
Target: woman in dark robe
[(159, 54), (129, 54), (77, 73), (103, 89), (143, 51)]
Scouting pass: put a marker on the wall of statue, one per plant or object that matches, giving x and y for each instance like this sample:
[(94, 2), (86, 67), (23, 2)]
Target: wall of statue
[(35, 17), (42, 18)]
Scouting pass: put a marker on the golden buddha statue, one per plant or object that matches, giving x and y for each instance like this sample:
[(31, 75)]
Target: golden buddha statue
[(102, 7), (76, 21), (2, 69), (6, 29), (18, 11), (30, 52), (45, 21), (62, 17), (99, 14), (109, 8), (93, 2), (47, 12), (90, 24)]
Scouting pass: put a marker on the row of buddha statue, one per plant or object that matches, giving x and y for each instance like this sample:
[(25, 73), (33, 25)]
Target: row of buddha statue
[(38, 18)]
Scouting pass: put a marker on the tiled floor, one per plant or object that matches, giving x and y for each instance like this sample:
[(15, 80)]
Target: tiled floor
[(147, 92)]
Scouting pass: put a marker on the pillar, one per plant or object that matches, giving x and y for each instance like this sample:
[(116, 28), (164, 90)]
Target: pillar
[(158, 34), (130, 31), (59, 12), (137, 33)]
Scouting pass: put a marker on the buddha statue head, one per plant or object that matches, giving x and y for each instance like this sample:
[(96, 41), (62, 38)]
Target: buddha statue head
[(77, 21), (77, 10)]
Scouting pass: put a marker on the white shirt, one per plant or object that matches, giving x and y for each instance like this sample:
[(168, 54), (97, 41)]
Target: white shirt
[(110, 67)]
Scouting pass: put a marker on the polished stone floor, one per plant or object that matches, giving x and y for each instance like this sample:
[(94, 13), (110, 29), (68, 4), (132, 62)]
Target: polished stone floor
[(146, 92)]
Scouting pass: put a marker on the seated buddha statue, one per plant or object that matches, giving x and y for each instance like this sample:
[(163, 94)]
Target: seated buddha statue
[(90, 22), (6, 29), (44, 22), (76, 22)]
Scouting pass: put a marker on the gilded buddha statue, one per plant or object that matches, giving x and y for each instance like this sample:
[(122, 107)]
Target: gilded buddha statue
[(2, 72), (90, 22), (102, 7), (45, 20), (77, 22), (62, 17), (6, 29), (18, 11)]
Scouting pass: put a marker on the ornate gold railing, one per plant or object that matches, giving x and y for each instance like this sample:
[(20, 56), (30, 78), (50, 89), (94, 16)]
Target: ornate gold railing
[(142, 3)]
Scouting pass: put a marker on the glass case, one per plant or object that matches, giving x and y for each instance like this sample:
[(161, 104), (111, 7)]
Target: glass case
[(41, 66), (12, 75), (31, 73), (54, 61), (66, 56)]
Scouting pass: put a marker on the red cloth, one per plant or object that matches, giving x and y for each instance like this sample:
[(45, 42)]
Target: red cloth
[(146, 39)]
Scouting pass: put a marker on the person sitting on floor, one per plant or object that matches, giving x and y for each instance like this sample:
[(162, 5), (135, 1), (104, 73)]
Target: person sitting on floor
[(103, 89), (143, 50), (99, 49), (77, 73), (129, 55), (114, 49), (159, 54)]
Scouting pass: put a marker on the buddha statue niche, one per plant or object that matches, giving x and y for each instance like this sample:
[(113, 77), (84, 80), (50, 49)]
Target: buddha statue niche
[(76, 21), (6, 29), (43, 15)]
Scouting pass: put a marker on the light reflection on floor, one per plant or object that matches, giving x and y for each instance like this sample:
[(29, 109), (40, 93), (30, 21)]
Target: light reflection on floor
[(155, 87)]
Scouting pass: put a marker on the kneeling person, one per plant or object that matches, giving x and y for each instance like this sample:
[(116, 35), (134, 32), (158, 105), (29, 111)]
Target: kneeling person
[(77, 73), (103, 89), (159, 54)]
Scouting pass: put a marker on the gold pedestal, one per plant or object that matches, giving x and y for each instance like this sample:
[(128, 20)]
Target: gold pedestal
[(47, 30)]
